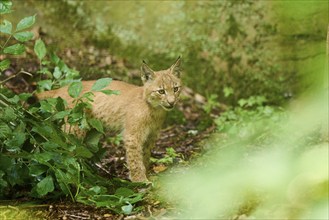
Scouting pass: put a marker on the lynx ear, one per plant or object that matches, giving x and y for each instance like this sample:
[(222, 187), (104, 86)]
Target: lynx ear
[(147, 72), (175, 68)]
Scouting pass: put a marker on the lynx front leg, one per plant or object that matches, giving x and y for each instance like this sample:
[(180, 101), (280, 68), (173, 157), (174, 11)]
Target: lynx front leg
[(134, 155), (149, 145)]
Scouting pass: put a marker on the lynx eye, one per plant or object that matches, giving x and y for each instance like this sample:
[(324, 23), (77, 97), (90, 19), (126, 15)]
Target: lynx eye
[(161, 91), (176, 89)]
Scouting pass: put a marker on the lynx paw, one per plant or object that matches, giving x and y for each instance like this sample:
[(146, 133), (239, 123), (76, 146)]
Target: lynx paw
[(139, 178)]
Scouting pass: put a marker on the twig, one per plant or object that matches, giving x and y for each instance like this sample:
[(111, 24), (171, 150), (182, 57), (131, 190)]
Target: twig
[(13, 76), (100, 167)]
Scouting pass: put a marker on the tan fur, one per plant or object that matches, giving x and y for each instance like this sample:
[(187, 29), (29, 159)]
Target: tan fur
[(138, 111)]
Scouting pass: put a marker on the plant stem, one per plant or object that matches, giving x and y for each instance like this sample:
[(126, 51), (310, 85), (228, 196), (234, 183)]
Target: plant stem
[(6, 42), (13, 76)]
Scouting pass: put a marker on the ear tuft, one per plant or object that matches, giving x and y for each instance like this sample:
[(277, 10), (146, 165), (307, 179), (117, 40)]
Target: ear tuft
[(175, 68), (147, 73)]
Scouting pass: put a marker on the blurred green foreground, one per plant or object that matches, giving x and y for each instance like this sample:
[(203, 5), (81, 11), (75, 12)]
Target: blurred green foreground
[(272, 167)]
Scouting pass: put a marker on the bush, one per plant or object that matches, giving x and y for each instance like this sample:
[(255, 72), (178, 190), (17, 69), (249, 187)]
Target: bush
[(37, 158)]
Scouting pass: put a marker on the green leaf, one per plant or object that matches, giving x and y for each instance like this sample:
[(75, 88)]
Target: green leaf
[(45, 106), (6, 162), (6, 27), (37, 169), (9, 114), (97, 190), (57, 73), (242, 102), (89, 96), (54, 58), (5, 6), (40, 49), (15, 143), (135, 198), (75, 117), (125, 192), (14, 100), (50, 146), (23, 36), (4, 130), (228, 91), (24, 96), (4, 64), (101, 84), (43, 158), (60, 104), (25, 23), (110, 92), (16, 49), (83, 124), (83, 152), (62, 180), (61, 114), (45, 71), (96, 124), (45, 84), (127, 209), (3, 183), (45, 186), (92, 140), (75, 89)]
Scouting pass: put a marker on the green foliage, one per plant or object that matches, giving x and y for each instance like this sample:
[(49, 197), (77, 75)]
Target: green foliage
[(212, 102), (266, 162), (75, 89), (126, 197), (40, 160), (224, 44), (46, 162), (40, 49), (5, 7), (56, 72), (169, 157), (270, 165), (251, 118), (6, 28), (25, 23)]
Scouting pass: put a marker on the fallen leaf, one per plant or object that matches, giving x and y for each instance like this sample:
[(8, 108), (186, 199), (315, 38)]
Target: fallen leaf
[(159, 168)]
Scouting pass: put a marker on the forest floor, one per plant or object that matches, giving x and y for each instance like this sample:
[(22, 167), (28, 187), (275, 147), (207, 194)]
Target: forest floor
[(185, 129)]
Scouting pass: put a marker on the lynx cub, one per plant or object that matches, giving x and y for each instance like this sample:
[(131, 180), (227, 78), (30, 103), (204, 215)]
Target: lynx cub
[(138, 111)]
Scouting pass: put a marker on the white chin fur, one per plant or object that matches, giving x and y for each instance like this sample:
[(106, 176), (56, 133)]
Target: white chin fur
[(167, 109)]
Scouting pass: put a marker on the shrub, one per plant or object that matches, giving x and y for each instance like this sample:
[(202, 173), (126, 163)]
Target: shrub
[(37, 158)]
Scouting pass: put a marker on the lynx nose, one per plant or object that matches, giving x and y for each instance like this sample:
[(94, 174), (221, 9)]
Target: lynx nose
[(171, 102)]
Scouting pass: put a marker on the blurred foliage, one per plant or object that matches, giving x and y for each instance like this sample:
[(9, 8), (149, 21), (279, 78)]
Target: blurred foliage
[(264, 163), (268, 162), (302, 41), (225, 44)]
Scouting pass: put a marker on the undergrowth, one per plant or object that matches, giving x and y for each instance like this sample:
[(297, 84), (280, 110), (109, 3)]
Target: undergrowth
[(37, 158)]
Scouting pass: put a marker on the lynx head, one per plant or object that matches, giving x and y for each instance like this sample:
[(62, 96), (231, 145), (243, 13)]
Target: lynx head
[(162, 88)]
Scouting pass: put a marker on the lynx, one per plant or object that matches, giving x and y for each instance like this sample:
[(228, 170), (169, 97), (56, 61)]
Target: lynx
[(138, 111)]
